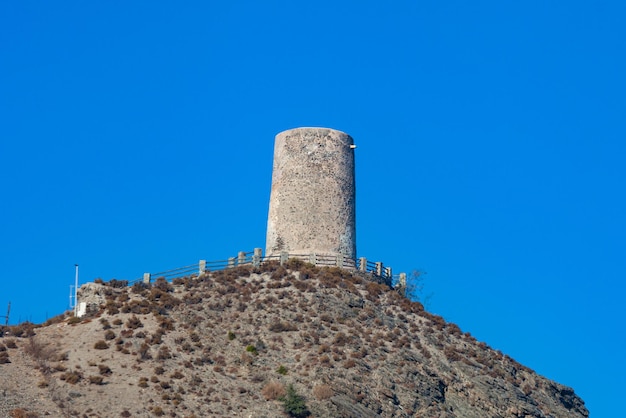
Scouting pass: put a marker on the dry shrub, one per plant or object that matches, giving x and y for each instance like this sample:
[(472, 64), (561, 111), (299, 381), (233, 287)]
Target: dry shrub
[(348, 364), (96, 380), (374, 290), (341, 339), (109, 335), (112, 307), (134, 322), (72, 377), (25, 329), (302, 284), (279, 326), (22, 413), (10, 343), (454, 329), (117, 284), (177, 375), (104, 370), (144, 352), (100, 345), (38, 351), (322, 392), (54, 320), (329, 278), (273, 390), (323, 349), (164, 353), (451, 353)]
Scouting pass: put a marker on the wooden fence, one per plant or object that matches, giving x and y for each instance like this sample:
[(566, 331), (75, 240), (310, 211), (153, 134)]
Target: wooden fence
[(255, 258)]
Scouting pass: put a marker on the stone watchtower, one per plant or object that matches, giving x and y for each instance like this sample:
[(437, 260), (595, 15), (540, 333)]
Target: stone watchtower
[(312, 202)]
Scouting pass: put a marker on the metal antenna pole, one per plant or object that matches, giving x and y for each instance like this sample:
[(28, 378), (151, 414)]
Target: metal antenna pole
[(76, 292)]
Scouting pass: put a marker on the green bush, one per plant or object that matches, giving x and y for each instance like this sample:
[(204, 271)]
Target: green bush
[(294, 404), (282, 370), (252, 349)]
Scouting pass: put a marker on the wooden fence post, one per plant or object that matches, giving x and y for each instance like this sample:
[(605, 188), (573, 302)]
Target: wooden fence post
[(201, 266)]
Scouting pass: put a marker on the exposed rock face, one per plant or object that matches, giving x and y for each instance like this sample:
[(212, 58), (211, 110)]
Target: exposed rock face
[(93, 295), (229, 343)]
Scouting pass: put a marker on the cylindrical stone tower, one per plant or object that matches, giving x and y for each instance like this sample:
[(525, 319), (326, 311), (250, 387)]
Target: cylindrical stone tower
[(312, 203)]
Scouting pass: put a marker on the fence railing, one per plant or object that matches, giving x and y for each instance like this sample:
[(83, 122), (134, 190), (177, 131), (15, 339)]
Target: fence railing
[(256, 258)]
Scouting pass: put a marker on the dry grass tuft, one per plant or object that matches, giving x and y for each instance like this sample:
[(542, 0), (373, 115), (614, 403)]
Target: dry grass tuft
[(322, 392), (273, 390)]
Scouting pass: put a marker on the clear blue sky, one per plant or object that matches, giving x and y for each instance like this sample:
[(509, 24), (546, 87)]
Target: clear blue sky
[(138, 136)]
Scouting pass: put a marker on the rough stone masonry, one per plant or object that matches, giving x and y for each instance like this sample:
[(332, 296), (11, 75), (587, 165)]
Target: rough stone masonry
[(312, 202)]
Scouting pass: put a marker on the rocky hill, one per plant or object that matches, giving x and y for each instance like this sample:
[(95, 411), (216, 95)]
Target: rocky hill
[(268, 342)]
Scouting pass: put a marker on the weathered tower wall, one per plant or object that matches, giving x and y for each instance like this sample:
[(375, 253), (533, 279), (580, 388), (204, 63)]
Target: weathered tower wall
[(312, 202)]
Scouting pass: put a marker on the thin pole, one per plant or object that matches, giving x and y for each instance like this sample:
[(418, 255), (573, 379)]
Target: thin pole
[(76, 292)]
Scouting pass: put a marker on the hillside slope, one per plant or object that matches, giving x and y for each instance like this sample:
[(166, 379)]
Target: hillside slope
[(328, 342)]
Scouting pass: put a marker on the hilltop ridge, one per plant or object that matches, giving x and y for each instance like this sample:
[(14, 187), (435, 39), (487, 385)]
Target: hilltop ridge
[(293, 340)]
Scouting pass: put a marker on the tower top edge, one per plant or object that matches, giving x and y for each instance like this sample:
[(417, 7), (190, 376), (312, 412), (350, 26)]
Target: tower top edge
[(313, 128)]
